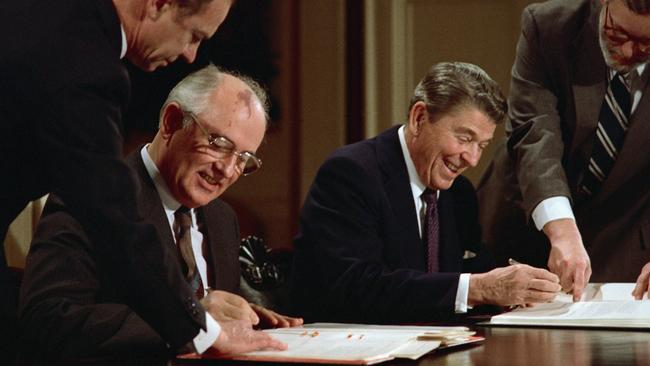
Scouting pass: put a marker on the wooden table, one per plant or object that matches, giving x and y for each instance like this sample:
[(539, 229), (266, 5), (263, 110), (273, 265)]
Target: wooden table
[(545, 346), (537, 346), (503, 346)]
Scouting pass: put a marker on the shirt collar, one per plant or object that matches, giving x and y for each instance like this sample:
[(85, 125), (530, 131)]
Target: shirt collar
[(417, 187), (635, 73), (168, 201), (124, 44)]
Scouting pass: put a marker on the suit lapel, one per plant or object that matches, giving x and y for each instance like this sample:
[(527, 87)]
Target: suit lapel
[(449, 247), (214, 245), (634, 157), (589, 82), (398, 189), (149, 201)]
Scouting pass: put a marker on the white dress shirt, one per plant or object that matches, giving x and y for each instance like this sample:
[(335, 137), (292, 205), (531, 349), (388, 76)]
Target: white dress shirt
[(204, 339), (559, 207), (417, 188), (124, 44)]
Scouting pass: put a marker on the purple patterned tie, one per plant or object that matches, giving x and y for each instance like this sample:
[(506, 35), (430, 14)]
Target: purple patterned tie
[(431, 230)]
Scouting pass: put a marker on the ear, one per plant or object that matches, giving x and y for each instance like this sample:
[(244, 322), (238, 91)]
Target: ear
[(171, 120), (418, 116)]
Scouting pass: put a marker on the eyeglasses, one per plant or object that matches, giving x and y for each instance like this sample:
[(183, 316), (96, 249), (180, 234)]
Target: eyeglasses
[(222, 148), (618, 36)]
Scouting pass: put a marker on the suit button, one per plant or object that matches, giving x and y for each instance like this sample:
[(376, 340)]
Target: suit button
[(195, 312)]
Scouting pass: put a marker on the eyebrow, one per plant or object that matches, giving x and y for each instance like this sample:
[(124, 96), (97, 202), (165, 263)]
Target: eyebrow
[(214, 134), (472, 133)]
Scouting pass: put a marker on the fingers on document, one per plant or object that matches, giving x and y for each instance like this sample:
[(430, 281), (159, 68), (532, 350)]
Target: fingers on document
[(642, 283), (262, 341)]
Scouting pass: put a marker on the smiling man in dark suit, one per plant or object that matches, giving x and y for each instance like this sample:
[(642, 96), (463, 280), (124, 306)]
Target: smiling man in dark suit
[(389, 231), (210, 127), (64, 92), (571, 187)]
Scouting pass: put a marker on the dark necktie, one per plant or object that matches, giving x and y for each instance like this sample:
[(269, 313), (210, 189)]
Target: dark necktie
[(182, 224), (612, 123), (431, 230)]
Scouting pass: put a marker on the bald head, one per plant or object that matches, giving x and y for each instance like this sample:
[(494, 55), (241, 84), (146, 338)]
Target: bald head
[(211, 126)]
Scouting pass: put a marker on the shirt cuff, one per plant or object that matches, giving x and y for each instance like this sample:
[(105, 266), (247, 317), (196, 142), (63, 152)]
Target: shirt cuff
[(206, 338), (550, 209), (462, 293)]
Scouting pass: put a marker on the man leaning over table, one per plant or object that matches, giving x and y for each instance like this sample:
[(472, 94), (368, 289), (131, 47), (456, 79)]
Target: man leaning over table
[(210, 127), (64, 91), (571, 188), (389, 230)]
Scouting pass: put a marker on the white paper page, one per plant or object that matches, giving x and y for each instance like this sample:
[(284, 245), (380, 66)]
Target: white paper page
[(337, 344), (415, 349), (615, 291), (602, 312), (417, 329)]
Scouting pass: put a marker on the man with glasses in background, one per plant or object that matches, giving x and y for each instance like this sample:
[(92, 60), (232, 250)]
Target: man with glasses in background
[(210, 127), (571, 187)]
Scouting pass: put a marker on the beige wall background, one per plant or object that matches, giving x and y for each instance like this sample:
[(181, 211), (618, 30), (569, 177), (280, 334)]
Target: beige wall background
[(402, 39)]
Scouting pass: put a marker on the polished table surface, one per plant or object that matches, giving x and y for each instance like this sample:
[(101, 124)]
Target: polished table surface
[(540, 346), (502, 346)]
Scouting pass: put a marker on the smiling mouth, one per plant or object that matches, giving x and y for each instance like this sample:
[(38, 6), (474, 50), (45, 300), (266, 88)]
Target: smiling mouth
[(208, 179), (452, 167)]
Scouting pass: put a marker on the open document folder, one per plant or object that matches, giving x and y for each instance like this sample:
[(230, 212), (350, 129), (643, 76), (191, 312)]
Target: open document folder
[(603, 305), (356, 344)]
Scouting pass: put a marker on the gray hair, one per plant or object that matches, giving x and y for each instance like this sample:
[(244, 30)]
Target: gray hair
[(450, 85), (194, 91), (638, 6)]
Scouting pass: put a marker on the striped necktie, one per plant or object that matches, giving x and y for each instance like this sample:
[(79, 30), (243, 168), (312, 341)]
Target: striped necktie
[(612, 123), (431, 230), (182, 225)]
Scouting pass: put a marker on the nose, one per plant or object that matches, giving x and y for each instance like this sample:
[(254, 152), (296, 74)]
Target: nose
[(189, 55), (227, 166), (627, 49), (472, 155)]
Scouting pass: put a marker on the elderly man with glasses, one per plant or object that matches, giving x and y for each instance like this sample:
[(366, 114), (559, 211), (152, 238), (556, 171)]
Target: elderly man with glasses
[(571, 187), (210, 127)]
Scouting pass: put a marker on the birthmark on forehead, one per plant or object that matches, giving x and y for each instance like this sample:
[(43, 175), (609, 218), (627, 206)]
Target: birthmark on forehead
[(245, 97)]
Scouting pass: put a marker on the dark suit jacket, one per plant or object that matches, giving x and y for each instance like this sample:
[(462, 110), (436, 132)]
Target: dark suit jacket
[(359, 256), (64, 90), (558, 84), (72, 306)]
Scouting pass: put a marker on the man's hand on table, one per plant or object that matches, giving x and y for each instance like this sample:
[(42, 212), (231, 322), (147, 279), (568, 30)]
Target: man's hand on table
[(238, 336)]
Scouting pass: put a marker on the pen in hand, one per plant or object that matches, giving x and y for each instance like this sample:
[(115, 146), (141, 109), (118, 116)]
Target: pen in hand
[(512, 262)]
